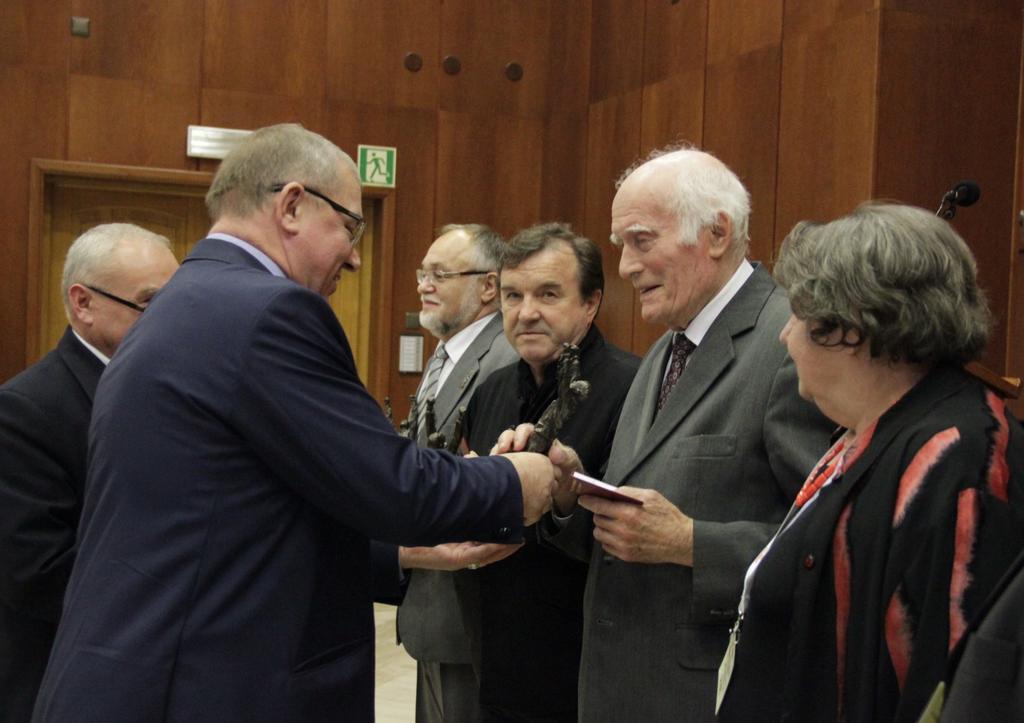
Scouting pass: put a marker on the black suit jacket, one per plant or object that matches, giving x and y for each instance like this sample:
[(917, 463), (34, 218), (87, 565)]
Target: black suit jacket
[(237, 469), (44, 423), (853, 608), (985, 679), (524, 614)]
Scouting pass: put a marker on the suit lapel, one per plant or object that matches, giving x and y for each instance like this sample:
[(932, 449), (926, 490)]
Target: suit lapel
[(641, 423), (708, 362), (82, 363), (460, 381)]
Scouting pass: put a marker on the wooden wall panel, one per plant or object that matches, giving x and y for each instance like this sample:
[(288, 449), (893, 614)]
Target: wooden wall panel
[(563, 168), (130, 122), (741, 128), (414, 133), (741, 117), (1007, 10), (808, 16), (738, 27), (675, 48), (488, 170), (943, 116), (673, 111), (616, 48), (152, 40), (826, 120), (367, 45), (249, 111), (1015, 321), (613, 143), (549, 40), (266, 46), (33, 116), (675, 38), (34, 33)]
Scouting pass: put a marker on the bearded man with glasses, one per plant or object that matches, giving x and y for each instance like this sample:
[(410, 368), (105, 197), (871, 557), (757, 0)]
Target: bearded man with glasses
[(458, 286)]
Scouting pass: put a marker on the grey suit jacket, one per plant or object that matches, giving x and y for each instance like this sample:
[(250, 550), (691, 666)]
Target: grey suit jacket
[(429, 620), (731, 447)]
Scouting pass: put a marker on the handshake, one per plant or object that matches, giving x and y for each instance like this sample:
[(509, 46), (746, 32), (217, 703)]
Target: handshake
[(544, 479)]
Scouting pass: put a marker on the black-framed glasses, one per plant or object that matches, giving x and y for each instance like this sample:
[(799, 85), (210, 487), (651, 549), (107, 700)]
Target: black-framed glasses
[(437, 276), (114, 297), (356, 233)]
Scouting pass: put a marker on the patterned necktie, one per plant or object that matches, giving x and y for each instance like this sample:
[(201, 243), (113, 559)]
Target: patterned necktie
[(429, 388), (681, 350)]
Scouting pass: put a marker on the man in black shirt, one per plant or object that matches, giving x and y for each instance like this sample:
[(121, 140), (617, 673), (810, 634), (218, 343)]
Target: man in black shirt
[(524, 613)]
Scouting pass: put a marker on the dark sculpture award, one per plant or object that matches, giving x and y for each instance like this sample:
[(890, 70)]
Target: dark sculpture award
[(437, 440), (408, 427), (571, 391)]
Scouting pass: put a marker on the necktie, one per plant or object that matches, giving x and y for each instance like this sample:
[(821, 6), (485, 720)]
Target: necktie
[(429, 388), (681, 350)]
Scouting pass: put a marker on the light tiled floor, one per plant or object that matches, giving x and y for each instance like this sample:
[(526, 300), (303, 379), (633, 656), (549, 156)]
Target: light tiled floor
[(396, 672)]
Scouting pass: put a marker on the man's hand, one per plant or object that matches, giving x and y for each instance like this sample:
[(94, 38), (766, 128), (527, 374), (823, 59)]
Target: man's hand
[(454, 555), (656, 531), (513, 440), (564, 458), (566, 462), (537, 477)]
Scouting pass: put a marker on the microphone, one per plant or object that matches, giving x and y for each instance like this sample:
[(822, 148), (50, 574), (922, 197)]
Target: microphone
[(964, 193)]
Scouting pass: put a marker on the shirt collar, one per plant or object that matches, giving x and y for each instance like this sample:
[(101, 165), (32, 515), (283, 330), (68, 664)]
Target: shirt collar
[(697, 328), (268, 262), (457, 345), (99, 355)]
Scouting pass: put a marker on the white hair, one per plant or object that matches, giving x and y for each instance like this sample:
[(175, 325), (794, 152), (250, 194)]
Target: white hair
[(91, 254), (703, 187)]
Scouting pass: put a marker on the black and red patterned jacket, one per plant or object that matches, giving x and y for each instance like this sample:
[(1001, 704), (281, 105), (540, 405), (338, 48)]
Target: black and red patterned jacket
[(855, 608)]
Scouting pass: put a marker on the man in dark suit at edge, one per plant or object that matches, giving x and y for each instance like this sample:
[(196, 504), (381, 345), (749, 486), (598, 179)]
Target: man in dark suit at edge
[(110, 273), (713, 437), (238, 469), (458, 286)]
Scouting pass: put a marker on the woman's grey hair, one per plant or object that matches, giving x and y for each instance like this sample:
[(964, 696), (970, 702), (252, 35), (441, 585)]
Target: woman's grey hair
[(89, 258), (488, 245), (272, 155), (703, 188), (894, 277)]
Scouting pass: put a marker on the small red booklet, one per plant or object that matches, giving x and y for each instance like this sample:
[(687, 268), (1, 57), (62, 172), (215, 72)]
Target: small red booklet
[(591, 486)]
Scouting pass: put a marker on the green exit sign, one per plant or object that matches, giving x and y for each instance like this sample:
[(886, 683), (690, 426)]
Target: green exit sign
[(377, 165)]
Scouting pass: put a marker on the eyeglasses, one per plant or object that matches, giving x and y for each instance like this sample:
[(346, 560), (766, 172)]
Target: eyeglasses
[(118, 299), (438, 277), (354, 233)]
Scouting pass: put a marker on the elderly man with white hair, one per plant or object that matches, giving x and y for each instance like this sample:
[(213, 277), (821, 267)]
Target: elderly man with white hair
[(713, 438)]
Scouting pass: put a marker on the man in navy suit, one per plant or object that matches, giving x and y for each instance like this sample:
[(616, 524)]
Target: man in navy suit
[(110, 273), (239, 468)]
